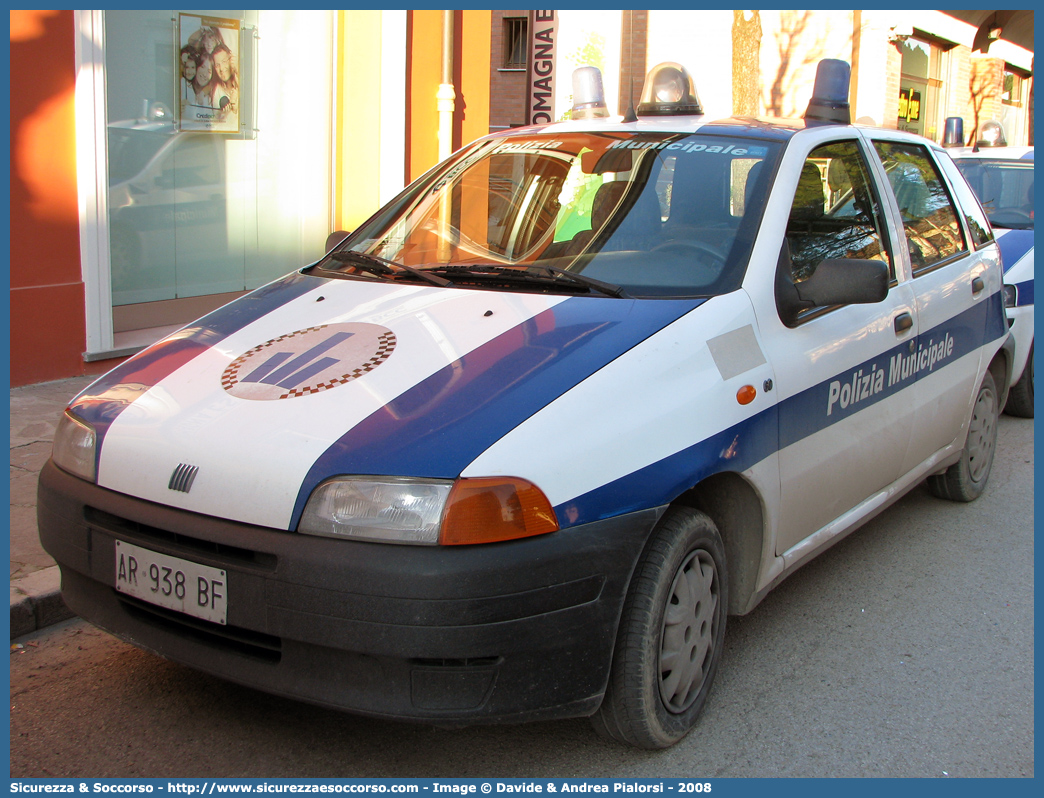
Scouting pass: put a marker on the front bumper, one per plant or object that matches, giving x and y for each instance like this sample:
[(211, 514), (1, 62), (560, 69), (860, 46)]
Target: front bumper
[(1021, 321), (514, 631)]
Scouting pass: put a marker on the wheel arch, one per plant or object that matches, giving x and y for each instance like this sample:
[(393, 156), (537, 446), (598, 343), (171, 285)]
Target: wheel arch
[(737, 510)]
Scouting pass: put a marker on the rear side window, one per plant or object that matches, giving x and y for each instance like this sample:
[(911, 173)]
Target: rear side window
[(933, 233), (974, 216)]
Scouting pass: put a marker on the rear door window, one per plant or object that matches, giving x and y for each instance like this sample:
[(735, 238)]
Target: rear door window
[(933, 232)]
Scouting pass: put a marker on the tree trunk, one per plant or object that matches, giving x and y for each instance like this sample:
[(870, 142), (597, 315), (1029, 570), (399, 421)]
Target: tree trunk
[(746, 63)]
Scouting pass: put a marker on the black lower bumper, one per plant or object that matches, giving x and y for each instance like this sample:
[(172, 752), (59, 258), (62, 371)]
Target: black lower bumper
[(522, 630)]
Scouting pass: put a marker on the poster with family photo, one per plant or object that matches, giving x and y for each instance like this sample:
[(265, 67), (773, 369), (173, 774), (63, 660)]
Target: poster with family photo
[(208, 73)]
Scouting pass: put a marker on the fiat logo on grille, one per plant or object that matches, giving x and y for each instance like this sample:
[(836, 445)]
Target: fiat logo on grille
[(308, 361), (182, 478)]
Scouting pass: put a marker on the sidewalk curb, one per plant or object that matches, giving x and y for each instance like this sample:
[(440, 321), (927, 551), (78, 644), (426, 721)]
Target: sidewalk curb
[(36, 602)]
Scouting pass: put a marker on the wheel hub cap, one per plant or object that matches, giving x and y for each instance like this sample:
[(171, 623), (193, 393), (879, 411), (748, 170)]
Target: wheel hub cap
[(689, 631), (983, 434)]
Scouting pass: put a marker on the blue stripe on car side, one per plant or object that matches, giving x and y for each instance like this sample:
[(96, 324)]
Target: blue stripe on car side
[(735, 449), (1024, 292), (105, 399), (749, 442), (443, 423), (810, 411), (1013, 245)]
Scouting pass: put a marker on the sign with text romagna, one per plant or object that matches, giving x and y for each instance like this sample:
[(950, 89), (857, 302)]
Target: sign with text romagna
[(540, 100)]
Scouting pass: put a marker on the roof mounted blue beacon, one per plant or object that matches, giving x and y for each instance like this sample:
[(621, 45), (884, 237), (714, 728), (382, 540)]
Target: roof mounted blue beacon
[(953, 133), (829, 101), (588, 94)]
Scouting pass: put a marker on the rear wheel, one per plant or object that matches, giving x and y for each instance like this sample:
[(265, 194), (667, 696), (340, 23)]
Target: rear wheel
[(671, 632), (966, 479), (1020, 397)]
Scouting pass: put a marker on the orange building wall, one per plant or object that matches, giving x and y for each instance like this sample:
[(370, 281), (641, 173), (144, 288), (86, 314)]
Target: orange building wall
[(47, 301), (471, 45), (474, 77), (424, 72)]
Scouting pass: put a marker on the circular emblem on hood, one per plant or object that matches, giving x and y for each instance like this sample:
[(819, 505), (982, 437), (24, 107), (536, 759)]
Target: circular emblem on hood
[(308, 361)]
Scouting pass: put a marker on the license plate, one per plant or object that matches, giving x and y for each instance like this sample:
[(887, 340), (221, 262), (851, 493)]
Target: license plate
[(171, 582)]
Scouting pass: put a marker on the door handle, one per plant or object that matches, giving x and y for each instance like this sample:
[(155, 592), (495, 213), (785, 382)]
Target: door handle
[(903, 322), (977, 285)]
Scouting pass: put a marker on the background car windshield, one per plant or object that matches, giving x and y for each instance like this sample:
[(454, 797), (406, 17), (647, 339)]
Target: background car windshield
[(1005, 189), (131, 150), (658, 214)]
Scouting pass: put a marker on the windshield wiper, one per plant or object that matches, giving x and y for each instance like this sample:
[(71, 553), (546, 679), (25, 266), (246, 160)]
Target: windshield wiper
[(531, 274), (608, 289), (375, 264)]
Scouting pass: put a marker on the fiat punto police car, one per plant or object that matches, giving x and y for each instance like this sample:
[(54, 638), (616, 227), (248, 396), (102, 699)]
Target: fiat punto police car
[(1002, 179), (518, 446)]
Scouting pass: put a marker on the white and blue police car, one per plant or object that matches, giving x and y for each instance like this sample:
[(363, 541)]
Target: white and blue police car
[(1002, 179), (516, 447)]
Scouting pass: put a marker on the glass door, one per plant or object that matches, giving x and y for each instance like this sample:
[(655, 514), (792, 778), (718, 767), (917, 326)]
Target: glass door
[(218, 153)]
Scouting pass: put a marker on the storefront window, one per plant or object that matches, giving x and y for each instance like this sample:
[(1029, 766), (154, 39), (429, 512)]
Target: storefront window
[(1012, 94), (919, 88), (218, 155)]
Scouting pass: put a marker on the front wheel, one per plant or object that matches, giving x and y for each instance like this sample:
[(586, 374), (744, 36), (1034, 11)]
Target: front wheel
[(671, 633), (965, 480)]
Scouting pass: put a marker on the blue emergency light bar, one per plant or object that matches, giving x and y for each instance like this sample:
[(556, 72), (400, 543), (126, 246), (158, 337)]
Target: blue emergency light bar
[(829, 101), (953, 133), (588, 94)]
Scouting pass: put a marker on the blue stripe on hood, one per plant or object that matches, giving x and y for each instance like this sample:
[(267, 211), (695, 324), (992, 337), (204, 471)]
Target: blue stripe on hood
[(443, 423), (1013, 245), (105, 399)]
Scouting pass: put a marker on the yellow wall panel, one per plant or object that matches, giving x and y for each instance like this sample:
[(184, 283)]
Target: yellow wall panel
[(358, 118)]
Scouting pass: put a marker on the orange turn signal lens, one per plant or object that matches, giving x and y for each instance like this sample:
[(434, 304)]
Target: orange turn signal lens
[(746, 394), (492, 509)]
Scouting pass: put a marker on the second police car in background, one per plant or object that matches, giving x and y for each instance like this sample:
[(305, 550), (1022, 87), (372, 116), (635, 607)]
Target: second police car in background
[(518, 446), (1002, 179)]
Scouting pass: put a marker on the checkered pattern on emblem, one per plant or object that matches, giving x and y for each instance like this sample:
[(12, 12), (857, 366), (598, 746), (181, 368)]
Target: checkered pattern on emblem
[(385, 346), (386, 343), (231, 374)]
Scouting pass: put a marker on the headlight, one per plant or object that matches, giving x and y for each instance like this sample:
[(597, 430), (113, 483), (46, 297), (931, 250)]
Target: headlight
[(379, 509), (1011, 296), (74, 447), (428, 512)]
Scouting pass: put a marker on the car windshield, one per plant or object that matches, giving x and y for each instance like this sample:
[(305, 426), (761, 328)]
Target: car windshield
[(654, 214), (131, 150), (1005, 189)]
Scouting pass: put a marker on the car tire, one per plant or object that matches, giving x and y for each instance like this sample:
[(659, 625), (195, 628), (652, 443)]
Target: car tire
[(674, 615), (966, 479), (1020, 396)]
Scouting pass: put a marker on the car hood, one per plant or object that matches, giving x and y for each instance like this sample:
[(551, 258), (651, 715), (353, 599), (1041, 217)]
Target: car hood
[(1014, 244), (308, 378)]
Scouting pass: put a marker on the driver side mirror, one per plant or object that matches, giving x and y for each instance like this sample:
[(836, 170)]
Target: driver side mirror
[(835, 281)]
